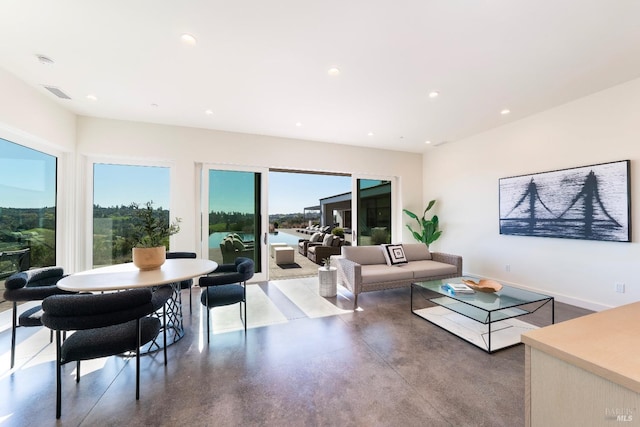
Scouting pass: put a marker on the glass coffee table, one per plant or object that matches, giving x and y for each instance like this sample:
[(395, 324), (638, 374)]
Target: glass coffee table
[(486, 320)]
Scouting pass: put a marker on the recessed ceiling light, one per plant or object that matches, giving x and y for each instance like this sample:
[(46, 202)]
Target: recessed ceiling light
[(188, 39), (434, 94), (427, 142), (298, 124), (208, 112), (44, 60), (333, 71), (92, 97), (505, 112), (370, 134)]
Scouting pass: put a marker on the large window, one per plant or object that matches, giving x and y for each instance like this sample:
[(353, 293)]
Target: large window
[(115, 188), (27, 208)]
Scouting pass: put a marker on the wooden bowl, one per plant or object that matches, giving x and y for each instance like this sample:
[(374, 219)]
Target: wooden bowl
[(483, 285)]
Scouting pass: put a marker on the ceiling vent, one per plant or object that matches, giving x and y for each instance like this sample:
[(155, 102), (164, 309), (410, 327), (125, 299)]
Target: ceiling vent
[(437, 144), (57, 92)]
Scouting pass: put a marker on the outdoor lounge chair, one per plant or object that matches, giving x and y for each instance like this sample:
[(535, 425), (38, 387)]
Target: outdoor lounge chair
[(303, 244), (233, 248), (331, 245)]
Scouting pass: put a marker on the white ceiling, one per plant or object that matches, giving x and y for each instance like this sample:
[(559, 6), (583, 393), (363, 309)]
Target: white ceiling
[(261, 65)]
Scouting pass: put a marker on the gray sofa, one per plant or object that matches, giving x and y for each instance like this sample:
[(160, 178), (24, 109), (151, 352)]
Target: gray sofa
[(364, 268)]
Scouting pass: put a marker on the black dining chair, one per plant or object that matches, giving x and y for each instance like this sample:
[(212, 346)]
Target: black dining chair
[(31, 285), (104, 325), (227, 285), (185, 284)]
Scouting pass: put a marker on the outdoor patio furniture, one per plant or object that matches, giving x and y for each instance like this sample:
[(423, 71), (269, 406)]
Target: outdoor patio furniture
[(233, 248), (273, 246), (14, 261), (284, 255), (246, 243), (331, 245), (303, 244)]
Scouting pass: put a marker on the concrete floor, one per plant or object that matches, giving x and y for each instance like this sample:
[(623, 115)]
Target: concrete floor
[(381, 366)]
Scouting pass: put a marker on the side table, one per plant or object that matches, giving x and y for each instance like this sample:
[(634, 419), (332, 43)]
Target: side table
[(273, 246), (328, 281)]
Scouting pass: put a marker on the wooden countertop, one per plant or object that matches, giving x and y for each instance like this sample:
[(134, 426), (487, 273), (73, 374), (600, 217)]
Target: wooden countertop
[(606, 344)]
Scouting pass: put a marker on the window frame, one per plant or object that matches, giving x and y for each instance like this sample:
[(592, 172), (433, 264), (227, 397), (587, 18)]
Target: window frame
[(64, 166), (85, 246)]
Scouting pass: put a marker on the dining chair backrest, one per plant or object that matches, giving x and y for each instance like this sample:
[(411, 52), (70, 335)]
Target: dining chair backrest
[(89, 311)]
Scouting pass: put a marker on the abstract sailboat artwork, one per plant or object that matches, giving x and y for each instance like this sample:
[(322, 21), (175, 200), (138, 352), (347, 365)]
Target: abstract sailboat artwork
[(588, 202)]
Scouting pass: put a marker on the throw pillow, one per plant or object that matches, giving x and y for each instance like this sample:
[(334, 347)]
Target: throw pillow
[(394, 254), (328, 240), (315, 238)]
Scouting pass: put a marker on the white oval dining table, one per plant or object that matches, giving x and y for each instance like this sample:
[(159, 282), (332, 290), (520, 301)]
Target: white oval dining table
[(127, 276)]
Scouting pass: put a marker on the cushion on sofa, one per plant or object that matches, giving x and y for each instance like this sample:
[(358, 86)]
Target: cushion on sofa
[(376, 273), (416, 251), (427, 268), (315, 238), (364, 255), (394, 254), (328, 240)]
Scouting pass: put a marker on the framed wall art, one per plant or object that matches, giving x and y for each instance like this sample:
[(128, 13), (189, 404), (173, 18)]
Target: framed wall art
[(589, 202)]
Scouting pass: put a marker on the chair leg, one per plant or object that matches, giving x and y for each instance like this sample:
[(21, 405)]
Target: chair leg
[(77, 371), (58, 377), (190, 299), (164, 331), (206, 299), (244, 303), (138, 333), (13, 334)]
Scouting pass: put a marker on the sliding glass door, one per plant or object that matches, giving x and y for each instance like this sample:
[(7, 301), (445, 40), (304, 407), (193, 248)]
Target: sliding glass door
[(374, 209), (234, 219)]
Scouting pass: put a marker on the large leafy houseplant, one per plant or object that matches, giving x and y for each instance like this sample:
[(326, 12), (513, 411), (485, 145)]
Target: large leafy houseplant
[(428, 231)]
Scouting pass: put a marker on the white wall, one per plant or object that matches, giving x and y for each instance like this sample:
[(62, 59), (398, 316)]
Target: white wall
[(464, 175), (30, 118), (184, 147)]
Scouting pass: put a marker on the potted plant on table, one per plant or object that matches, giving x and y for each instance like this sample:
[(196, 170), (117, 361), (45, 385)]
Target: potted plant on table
[(429, 232), (151, 234)]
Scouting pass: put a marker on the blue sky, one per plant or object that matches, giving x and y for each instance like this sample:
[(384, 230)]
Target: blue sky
[(27, 177), (27, 180), (229, 190), (288, 192), (116, 185), (292, 192)]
